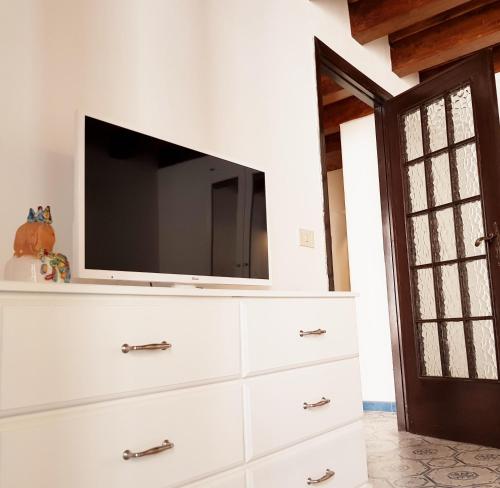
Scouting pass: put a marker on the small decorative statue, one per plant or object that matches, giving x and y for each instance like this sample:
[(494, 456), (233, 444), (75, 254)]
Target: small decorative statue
[(34, 259)]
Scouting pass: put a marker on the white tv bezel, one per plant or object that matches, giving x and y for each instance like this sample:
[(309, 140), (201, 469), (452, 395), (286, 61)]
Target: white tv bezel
[(79, 269)]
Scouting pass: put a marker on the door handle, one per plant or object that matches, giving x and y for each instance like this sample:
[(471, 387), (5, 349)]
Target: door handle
[(492, 236), (327, 476), (486, 238)]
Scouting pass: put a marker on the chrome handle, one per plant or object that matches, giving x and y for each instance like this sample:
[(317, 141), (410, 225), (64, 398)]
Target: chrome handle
[(166, 445), (312, 332), (162, 346), (322, 402), (486, 238), (328, 476)]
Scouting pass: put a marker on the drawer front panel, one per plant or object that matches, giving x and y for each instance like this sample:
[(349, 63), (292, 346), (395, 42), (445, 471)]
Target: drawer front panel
[(82, 447), (230, 481), (277, 417), (272, 332), (58, 353), (342, 452)]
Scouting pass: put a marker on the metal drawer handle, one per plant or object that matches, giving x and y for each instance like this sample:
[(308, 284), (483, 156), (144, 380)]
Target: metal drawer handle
[(154, 450), (328, 475), (312, 332), (162, 346), (322, 402), (486, 238)]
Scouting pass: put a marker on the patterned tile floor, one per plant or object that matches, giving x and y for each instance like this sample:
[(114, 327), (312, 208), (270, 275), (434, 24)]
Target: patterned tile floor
[(401, 460)]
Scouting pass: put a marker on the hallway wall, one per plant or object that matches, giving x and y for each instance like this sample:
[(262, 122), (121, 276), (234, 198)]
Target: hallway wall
[(366, 256)]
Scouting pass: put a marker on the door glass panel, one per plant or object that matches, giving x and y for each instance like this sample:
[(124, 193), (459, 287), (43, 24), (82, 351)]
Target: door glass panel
[(461, 114), (468, 176), (441, 181), (417, 191), (452, 305), (484, 347), (413, 135), (426, 301), (478, 288), (436, 125), (457, 352), (445, 237), (421, 248), (430, 349), (472, 228), (451, 292)]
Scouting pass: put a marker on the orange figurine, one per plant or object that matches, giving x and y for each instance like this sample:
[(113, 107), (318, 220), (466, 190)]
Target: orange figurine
[(33, 251), (35, 235)]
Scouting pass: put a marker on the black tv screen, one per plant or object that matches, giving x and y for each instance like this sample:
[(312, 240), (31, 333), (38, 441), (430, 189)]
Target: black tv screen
[(152, 206)]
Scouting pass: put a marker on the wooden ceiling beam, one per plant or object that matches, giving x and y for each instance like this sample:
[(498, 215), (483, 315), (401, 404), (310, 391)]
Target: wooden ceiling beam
[(444, 42), (439, 19), (336, 96), (333, 152), (328, 86), (343, 111), (372, 19), (436, 70)]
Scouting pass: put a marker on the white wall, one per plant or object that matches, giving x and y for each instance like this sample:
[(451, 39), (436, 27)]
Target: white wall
[(234, 78), (366, 256)]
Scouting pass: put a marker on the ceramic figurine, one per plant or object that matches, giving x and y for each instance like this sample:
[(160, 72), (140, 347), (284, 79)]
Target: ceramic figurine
[(57, 264), (31, 215), (34, 257)]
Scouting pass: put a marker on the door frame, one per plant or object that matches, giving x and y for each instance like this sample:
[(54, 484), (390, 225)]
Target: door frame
[(374, 95), (367, 90)]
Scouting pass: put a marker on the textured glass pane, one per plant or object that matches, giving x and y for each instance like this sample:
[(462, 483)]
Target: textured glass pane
[(479, 288), (436, 125), (430, 349), (441, 182), (451, 291), (421, 243), (472, 222), (445, 237), (455, 338), (462, 115), (425, 299), (416, 187), (413, 135), (484, 346), (468, 177)]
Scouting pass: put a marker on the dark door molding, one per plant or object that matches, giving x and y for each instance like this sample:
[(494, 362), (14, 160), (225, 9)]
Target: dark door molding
[(346, 75)]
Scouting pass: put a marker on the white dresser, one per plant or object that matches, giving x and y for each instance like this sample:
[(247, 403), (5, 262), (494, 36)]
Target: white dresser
[(235, 389)]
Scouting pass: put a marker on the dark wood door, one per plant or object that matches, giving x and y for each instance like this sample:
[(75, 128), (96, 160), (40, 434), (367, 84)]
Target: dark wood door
[(442, 143)]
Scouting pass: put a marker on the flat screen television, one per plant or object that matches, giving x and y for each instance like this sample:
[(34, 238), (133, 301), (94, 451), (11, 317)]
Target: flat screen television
[(151, 210)]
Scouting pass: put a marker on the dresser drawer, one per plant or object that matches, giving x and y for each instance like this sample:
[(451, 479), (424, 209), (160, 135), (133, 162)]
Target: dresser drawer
[(342, 452), (275, 402), (229, 481), (272, 338), (55, 353), (83, 447)]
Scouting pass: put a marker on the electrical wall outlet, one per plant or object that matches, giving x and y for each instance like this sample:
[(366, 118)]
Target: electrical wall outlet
[(306, 238)]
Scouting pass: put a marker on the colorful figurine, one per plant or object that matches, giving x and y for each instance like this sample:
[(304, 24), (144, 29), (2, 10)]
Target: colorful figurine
[(31, 216), (59, 266), (39, 214), (34, 257), (47, 217)]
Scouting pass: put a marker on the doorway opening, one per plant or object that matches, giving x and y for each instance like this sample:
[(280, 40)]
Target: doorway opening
[(339, 106), (356, 207)]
